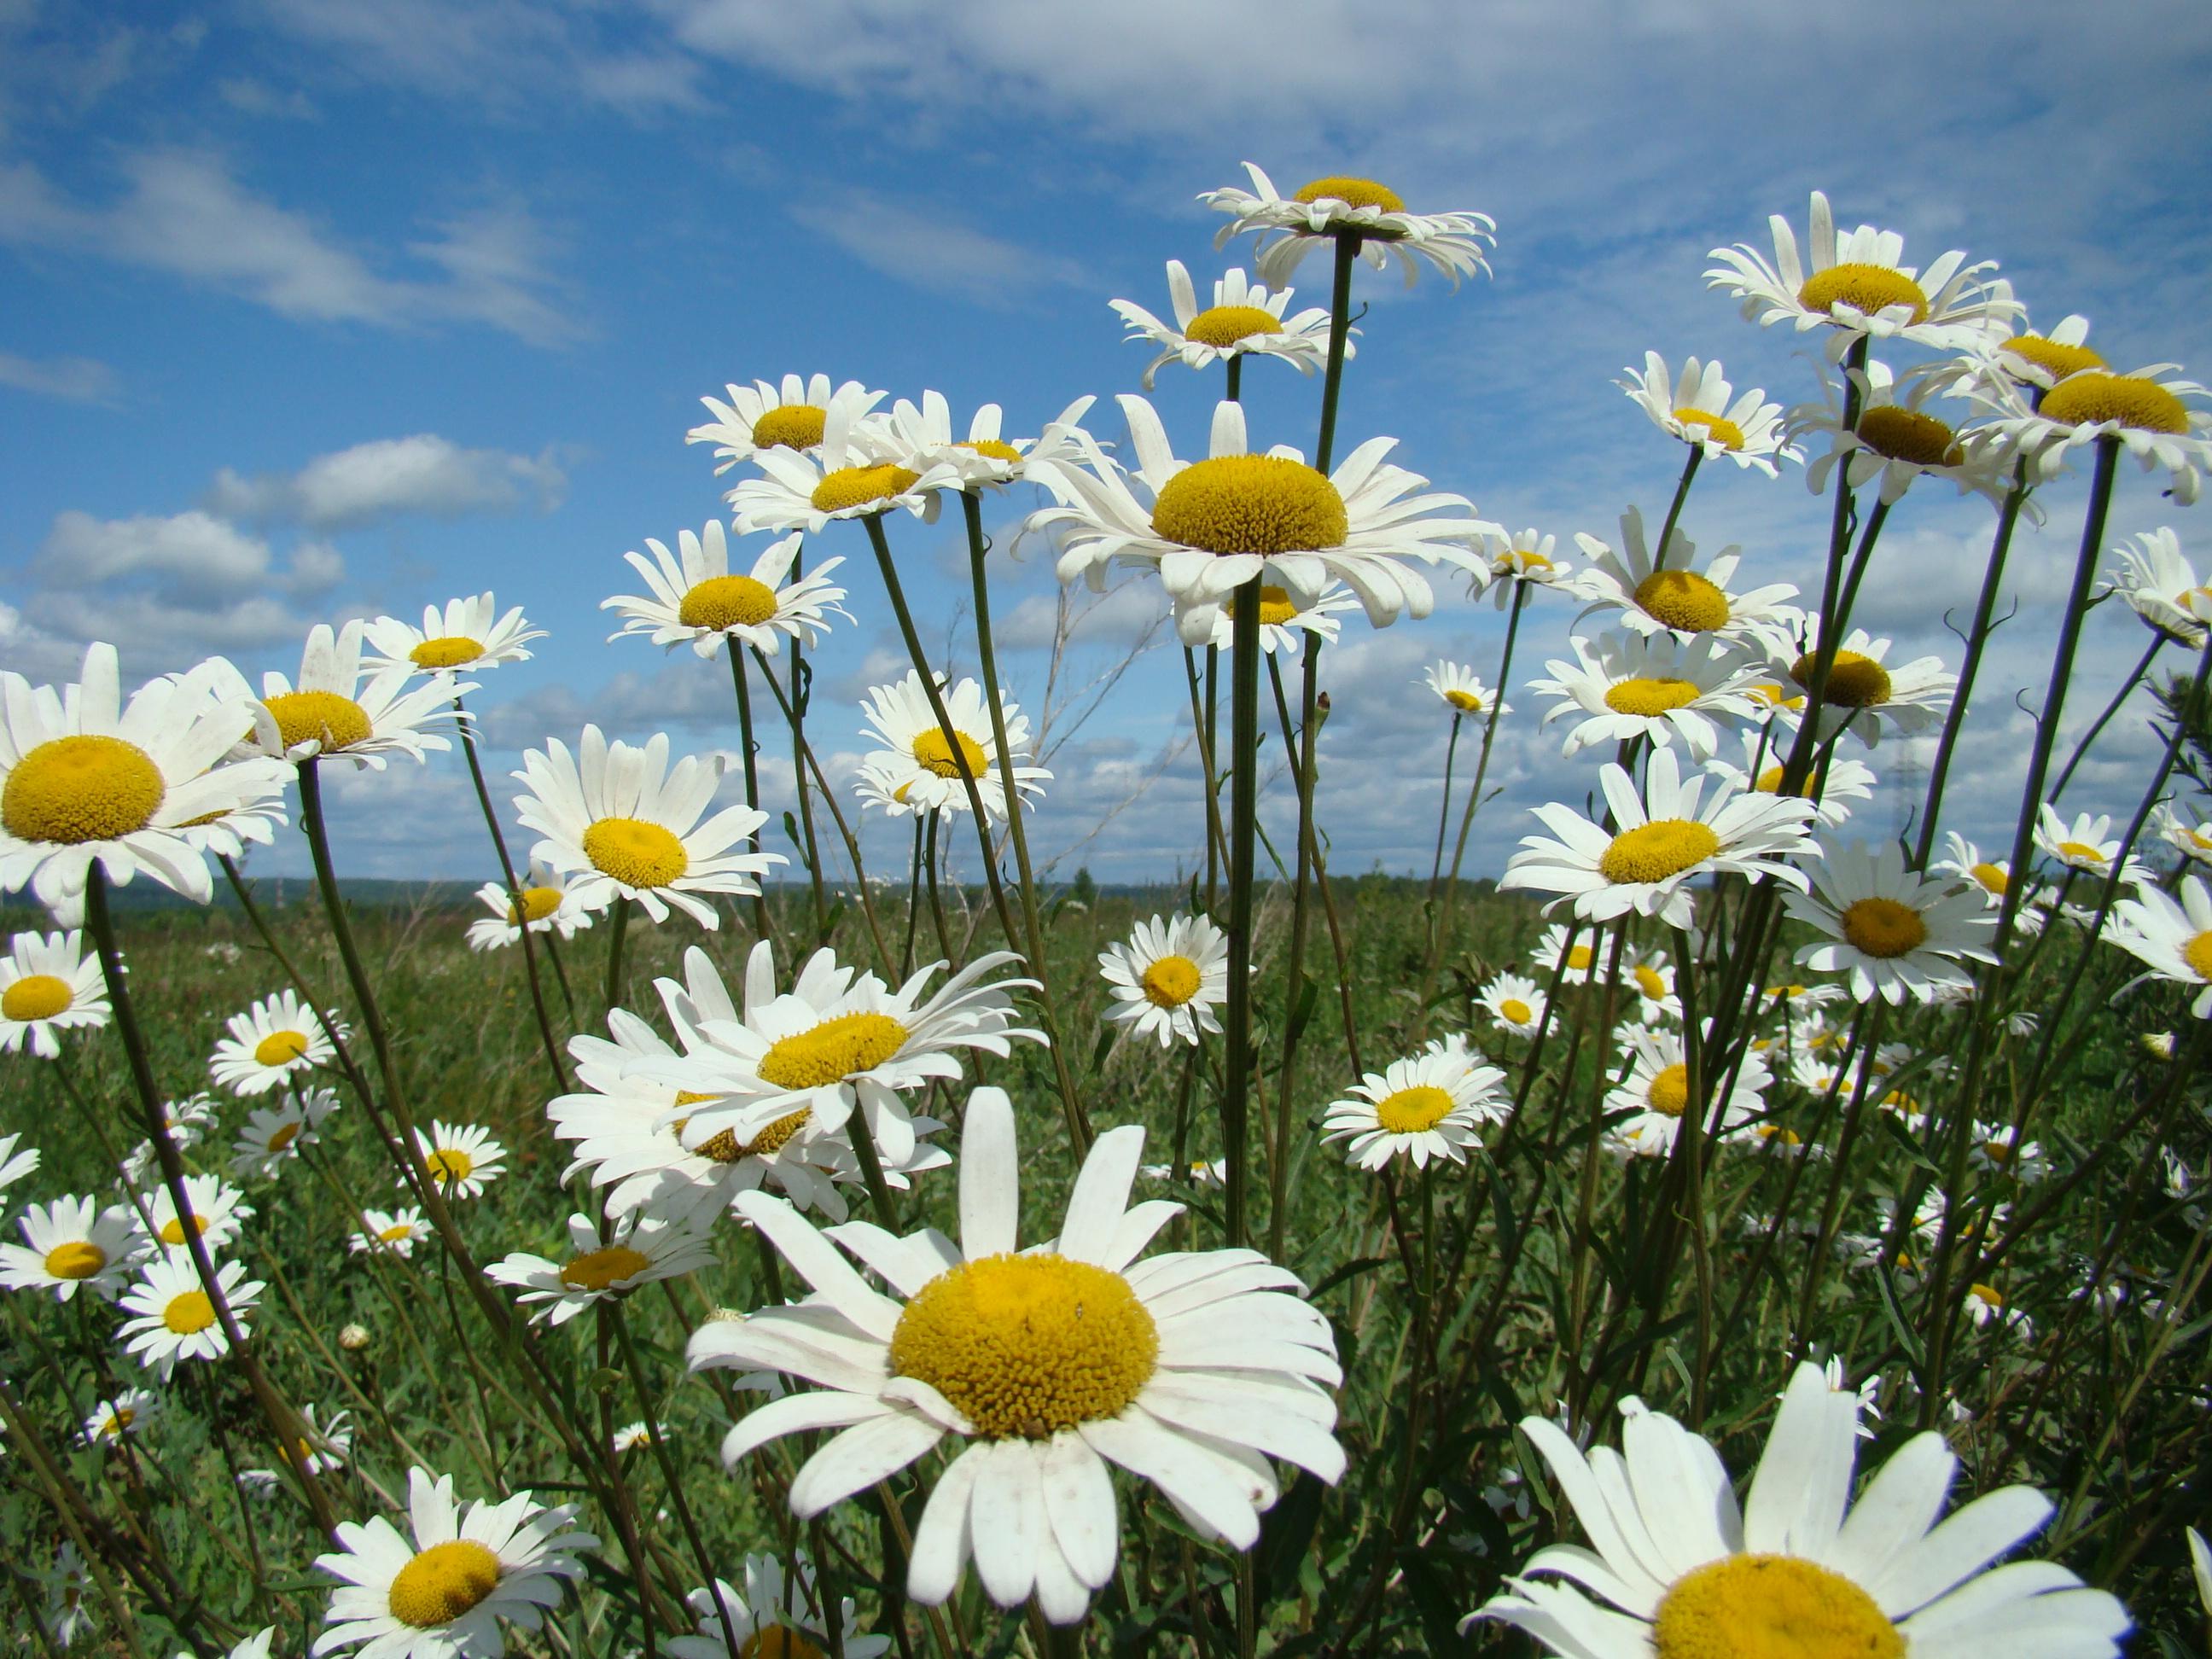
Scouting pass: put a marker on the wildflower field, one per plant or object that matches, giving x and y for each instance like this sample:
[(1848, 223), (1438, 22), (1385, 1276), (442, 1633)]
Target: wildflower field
[(1732, 1233)]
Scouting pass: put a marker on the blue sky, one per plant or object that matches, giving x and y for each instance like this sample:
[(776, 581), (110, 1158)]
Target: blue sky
[(322, 309)]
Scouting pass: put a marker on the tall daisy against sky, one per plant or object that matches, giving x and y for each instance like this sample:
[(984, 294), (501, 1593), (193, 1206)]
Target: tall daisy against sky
[(1868, 691), (2173, 940), (1522, 562), (48, 985), (1190, 1371), (1701, 408), (462, 636), (1677, 593), (792, 413), (695, 598), (2157, 581), (1460, 689), (850, 472), (1893, 934), (333, 714), (2152, 414), (1371, 214), (1626, 686), (1894, 438), (1244, 320), (1167, 978), (923, 767), (920, 439), (1840, 783)]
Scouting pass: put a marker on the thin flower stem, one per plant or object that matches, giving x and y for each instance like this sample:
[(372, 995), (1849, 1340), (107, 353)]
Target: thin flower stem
[(763, 927), (1441, 942), (1674, 507), (617, 938), (1443, 807), (931, 858), (913, 896), (1202, 725), (1340, 330), (801, 679), (1243, 820), (2127, 686)]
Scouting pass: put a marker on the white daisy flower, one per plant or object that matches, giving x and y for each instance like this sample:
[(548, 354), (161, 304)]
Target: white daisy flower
[(1688, 1570), (1857, 287), (1866, 691), (776, 1616), (1987, 1307), (632, 1437), (68, 1612), (1284, 622), (1677, 595), (1896, 440), (185, 1121), (925, 765), (2086, 844), (397, 1231), (636, 1251), (1168, 978), (274, 1135), (1991, 879), (174, 1319), (463, 636), (1694, 407), (324, 1448), (1371, 214), (1575, 964), (48, 984), (1668, 837), (1460, 689), (2041, 360), (276, 1040), (83, 777), (14, 1165), (1201, 1172), (2146, 413), (463, 1158), (1997, 1150), (72, 1244), (1523, 559), (443, 1595), (2190, 835), (1209, 527), (1657, 1093), (1514, 1004), (853, 473), (1244, 320), (1894, 932), (550, 905), (1628, 686), (1866, 1394), (333, 715), (920, 440), (628, 824), (2175, 940), (2156, 582), (792, 414), (1648, 975), (1190, 1370), (695, 600), (1840, 785), (127, 1411), (1432, 1106), (218, 1211)]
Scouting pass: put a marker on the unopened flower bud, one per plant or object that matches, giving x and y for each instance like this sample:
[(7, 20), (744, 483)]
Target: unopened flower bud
[(353, 1338)]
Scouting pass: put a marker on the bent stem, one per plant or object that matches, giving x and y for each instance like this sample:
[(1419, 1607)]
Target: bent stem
[(2127, 686)]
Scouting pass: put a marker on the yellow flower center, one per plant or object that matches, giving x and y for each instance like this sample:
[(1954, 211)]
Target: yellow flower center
[(596, 1270), (1276, 608), (1580, 957), (1989, 1295), (35, 996), (1992, 877), (1223, 325), (398, 1234), (834, 1049), (857, 486), (172, 1230), (74, 790), (2129, 400), (118, 1421), (635, 853), (1770, 1606), (2198, 953), (1996, 1151), (1711, 428), (1907, 434), (1771, 694), (1353, 192), (323, 717), (1514, 1011), (1170, 982), (1670, 1091), (1409, 1111), (1770, 782), (1884, 927), (78, 1259), (1683, 599), (1521, 559), (283, 1136), (991, 449), (726, 1148), (1650, 982), (792, 426), (934, 751), (537, 903), (281, 1048), (190, 1313), (1466, 701), (2056, 360), (1775, 1134), (449, 1164), (1261, 504), (722, 602), (1865, 289), (1648, 699), (2081, 852), (778, 1642), (1655, 851), (1855, 681), (1026, 1345), (443, 1582), (446, 651)]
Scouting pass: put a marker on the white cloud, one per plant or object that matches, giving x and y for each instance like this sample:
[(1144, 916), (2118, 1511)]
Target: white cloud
[(76, 380), (421, 473), (191, 552), (933, 250), (249, 96)]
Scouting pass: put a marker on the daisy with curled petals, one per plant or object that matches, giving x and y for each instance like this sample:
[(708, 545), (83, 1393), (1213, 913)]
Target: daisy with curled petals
[(1694, 407), (1676, 594), (920, 439), (2157, 583), (14, 1165), (86, 777), (1896, 439), (1371, 214), (1798, 1568), (1656, 1093), (853, 472), (926, 766), (274, 1135), (1190, 1370), (1209, 527), (2041, 360), (1892, 931), (2189, 834), (1514, 1004), (333, 715), (444, 1595), (1460, 689), (462, 636), (1835, 787), (1855, 286), (47, 984), (790, 414), (1629, 685), (1669, 836), (174, 1319), (1432, 1106), (1285, 622), (73, 1244), (463, 1158), (1866, 691), (1244, 320), (2174, 940), (397, 1230), (126, 1411), (277, 1039), (775, 1616), (2149, 414), (1167, 980), (2086, 845), (636, 1251), (550, 905), (695, 600), (1520, 562), (627, 825), (218, 1211)]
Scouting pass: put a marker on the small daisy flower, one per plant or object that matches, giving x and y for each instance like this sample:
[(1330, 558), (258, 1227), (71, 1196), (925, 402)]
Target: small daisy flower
[(73, 1244), (127, 1412), (696, 599), (1648, 975), (463, 1158), (14, 1165), (275, 1134), (1896, 440), (1372, 215), (851, 473), (1168, 978), (1677, 596), (2149, 414), (323, 1448), (550, 905), (463, 636), (1987, 1307), (333, 715), (185, 1121), (926, 765), (2174, 940), (468, 1567), (1694, 408), (1244, 320), (1997, 1150), (2086, 844), (1432, 1106), (277, 1039), (1521, 561), (69, 1589), (638, 1251), (1991, 879), (1575, 964), (1657, 1093), (1839, 785), (920, 440), (2041, 360), (2156, 582), (632, 1437), (1516, 1004), (1629, 685), (792, 414), (397, 1231), (775, 1616), (1873, 695), (1893, 933), (1284, 622), (218, 1211), (1866, 1394), (2189, 835), (48, 984), (174, 1319), (1460, 689)]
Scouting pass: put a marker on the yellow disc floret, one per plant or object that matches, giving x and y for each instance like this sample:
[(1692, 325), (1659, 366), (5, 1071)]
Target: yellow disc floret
[(1514, 1011), (850, 487), (446, 651), (1353, 192), (1650, 982), (1855, 680), (1225, 325), (443, 1582), (991, 449), (1276, 606), (1410, 1111), (935, 750), (722, 602), (1992, 877), (1579, 957), (778, 1642), (1263, 504), (1026, 1345), (1883, 928), (2198, 953), (601, 1269), (2081, 852), (537, 903), (636, 853), (190, 1313), (172, 1230), (1683, 599), (281, 1048), (1669, 1092), (1467, 702), (1647, 698), (2054, 359), (322, 717), (78, 1259), (1909, 436), (77, 789), (792, 426), (2128, 400), (1170, 982), (1770, 1606), (1657, 850), (1865, 289), (1698, 426), (449, 1165), (835, 1049), (35, 996)]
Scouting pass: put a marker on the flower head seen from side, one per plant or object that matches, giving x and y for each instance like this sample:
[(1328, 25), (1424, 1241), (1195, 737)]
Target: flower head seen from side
[(1677, 594), (1188, 1370), (14, 1164), (694, 598), (1895, 439), (2157, 581), (217, 1211), (1645, 975), (549, 904), (1836, 787), (48, 985), (1167, 978), (2189, 834), (774, 1617), (125, 1411), (274, 1135), (926, 766), (1893, 933), (1521, 562), (1866, 690), (462, 636), (1371, 214), (628, 824), (397, 1231), (1460, 689), (792, 413), (174, 1319), (1990, 879), (73, 1244), (2173, 940), (853, 473), (333, 715), (2152, 414), (1284, 622), (2086, 844), (463, 1158), (920, 440), (1798, 1568), (1627, 685), (1695, 407), (1514, 1004), (637, 1251), (1656, 1093), (1244, 320), (1571, 955), (1430, 1106), (2039, 361), (278, 1040), (441, 1590)]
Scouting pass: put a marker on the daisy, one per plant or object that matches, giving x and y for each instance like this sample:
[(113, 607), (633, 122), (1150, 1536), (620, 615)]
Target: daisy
[(2084, 845), (2041, 360), (2159, 584), (695, 600), (1190, 1370), (1284, 622), (1668, 839), (1630, 685), (636, 1251), (1997, 1150), (1857, 286), (1894, 932), (776, 1615), (215, 1210), (73, 1244), (2192, 836), (2174, 939), (793, 414), (68, 1612), (927, 765), (174, 1319), (1516, 1004), (1796, 1566), (1522, 559), (1895, 439), (324, 1448), (85, 777), (1244, 320), (397, 1231), (626, 823), (468, 1567), (14, 1165), (333, 715), (1987, 1307), (1575, 963), (1695, 408), (1202, 1172), (462, 1157), (2145, 413), (632, 1437), (1835, 787), (1657, 1093), (1460, 689), (1992, 880), (920, 440), (1432, 1106), (1649, 976), (128, 1411), (277, 1039), (550, 905), (1866, 691), (47, 984), (1868, 1392), (1167, 980), (1677, 595), (274, 1135), (851, 473), (466, 636), (185, 1120), (1371, 214), (1209, 527)]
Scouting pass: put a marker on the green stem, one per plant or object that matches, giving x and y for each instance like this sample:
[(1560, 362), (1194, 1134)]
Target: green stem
[(1339, 330), (1437, 946), (617, 938), (2141, 668), (1243, 820), (763, 927), (1674, 507), (801, 679), (1444, 807)]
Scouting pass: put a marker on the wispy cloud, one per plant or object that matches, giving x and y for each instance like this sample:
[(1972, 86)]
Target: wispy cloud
[(75, 379), (933, 250)]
